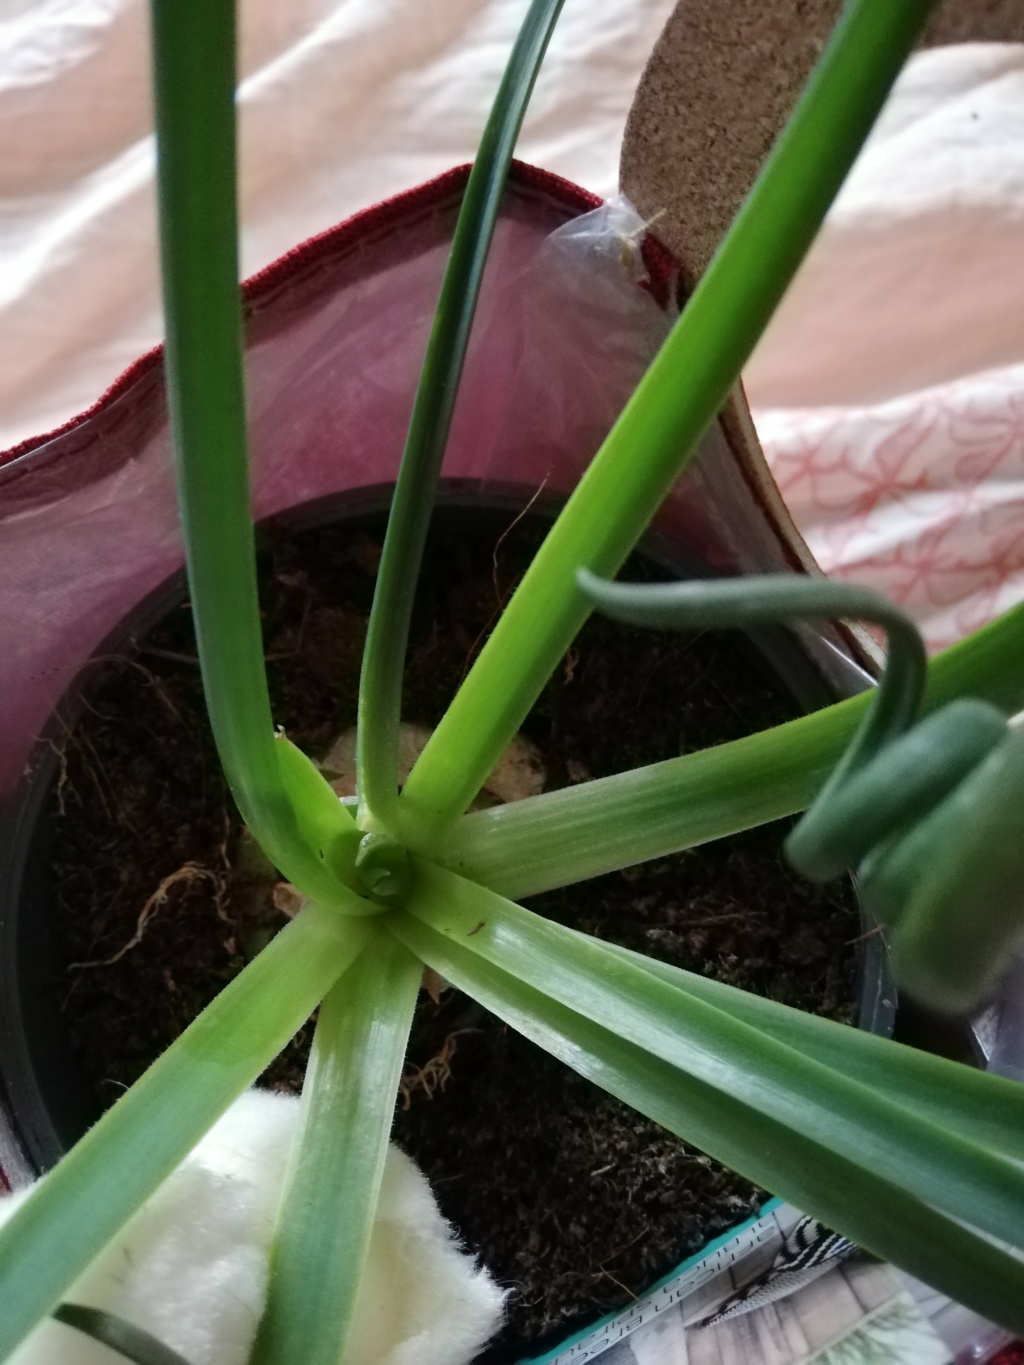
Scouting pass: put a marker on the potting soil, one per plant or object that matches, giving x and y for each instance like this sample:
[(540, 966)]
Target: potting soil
[(571, 1199)]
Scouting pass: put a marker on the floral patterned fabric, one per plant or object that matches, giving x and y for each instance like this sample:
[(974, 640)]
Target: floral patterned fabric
[(921, 497)]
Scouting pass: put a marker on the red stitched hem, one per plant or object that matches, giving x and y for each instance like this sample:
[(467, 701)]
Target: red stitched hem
[(660, 265)]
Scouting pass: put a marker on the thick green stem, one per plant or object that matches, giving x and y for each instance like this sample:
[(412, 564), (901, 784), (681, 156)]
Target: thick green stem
[(194, 80), (672, 407)]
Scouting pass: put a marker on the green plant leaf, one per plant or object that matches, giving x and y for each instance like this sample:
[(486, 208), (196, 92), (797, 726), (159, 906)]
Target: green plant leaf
[(566, 836), (121, 1336), (672, 406), (380, 686), (860, 1203), (953, 1175), (985, 1109), (330, 1197), (82, 1204), (194, 80)]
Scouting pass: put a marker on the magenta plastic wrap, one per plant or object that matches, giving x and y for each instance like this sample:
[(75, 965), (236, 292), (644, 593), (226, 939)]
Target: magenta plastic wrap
[(336, 333)]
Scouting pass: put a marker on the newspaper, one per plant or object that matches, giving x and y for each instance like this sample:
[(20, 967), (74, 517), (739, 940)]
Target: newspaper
[(773, 1294)]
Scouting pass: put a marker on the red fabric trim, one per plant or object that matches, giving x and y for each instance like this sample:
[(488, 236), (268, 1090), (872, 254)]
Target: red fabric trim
[(379, 217), (121, 384)]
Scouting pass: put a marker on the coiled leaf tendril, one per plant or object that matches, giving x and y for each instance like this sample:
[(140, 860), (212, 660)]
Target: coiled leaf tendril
[(928, 812)]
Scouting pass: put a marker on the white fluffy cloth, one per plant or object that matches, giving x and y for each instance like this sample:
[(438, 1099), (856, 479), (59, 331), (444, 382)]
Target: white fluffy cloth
[(191, 1267)]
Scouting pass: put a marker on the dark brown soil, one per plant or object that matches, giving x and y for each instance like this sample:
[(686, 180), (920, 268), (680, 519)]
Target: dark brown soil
[(570, 1198)]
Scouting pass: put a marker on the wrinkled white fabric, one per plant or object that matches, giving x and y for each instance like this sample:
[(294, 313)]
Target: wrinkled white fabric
[(191, 1267), (342, 103), (915, 283), (915, 278)]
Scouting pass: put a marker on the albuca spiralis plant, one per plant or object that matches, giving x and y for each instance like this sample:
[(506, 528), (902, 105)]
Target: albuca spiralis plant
[(915, 1158)]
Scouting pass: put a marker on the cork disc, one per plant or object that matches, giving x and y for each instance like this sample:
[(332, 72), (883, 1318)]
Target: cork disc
[(716, 91)]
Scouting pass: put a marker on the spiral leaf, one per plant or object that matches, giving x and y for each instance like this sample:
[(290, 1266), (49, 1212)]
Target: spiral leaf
[(931, 814)]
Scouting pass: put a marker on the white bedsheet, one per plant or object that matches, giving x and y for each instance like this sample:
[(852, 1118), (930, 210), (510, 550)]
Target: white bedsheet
[(889, 391)]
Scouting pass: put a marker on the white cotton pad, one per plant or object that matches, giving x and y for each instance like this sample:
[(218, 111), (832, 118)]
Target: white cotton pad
[(422, 1301), (191, 1267)]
